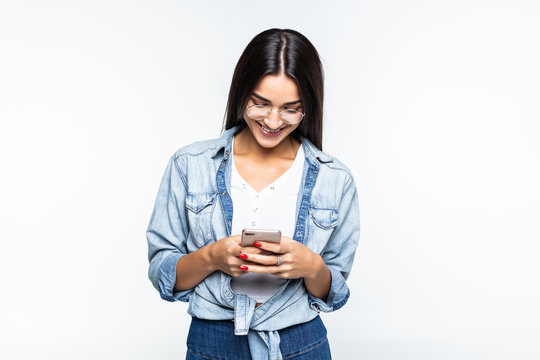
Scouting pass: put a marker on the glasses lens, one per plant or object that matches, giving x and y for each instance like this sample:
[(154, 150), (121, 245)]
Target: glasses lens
[(257, 111), (291, 116)]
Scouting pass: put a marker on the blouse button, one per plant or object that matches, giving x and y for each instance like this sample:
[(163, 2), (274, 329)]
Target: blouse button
[(272, 188), (253, 223), (243, 186)]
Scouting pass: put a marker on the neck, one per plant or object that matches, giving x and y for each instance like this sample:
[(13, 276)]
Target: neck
[(246, 144)]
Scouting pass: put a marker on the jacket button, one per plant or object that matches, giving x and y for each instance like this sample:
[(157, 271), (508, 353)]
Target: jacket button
[(223, 192)]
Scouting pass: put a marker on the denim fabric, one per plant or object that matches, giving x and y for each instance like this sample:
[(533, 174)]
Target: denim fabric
[(214, 339), (193, 208)]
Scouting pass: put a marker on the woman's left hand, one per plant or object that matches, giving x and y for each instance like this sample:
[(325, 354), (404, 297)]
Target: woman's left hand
[(297, 260)]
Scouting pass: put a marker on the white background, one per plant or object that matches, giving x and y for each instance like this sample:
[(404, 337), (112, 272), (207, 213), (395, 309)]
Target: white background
[(432, 104)]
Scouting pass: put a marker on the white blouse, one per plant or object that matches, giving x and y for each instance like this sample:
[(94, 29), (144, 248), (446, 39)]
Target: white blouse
[(274, 207)]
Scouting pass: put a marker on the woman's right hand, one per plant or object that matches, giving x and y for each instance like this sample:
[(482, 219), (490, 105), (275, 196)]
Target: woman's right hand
[(224, 255)]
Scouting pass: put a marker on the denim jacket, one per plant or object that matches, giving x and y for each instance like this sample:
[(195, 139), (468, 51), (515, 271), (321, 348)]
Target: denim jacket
[(193, 208)]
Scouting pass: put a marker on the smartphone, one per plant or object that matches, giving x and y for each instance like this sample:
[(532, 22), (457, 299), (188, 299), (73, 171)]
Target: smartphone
[(249, 236)]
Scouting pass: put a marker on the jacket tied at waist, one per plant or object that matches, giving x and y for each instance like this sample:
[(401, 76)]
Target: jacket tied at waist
[(259, 324), (263, 345)]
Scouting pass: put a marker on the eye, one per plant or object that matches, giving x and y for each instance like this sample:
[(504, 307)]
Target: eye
[(291, 111), (256, 103)]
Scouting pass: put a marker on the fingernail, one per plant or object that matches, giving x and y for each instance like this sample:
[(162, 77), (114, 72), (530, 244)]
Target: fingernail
[(256, 243), (243, 267), (243, 256)]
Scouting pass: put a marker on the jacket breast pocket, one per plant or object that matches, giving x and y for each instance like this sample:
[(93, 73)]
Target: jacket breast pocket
[(326, 219), (320, 226), (322, 223), (201, 209)]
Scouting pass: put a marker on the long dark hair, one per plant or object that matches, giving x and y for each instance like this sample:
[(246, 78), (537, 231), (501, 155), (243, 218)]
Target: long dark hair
[(272, 52)]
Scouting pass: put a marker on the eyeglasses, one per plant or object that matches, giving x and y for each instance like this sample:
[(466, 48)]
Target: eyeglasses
[(261, 112)]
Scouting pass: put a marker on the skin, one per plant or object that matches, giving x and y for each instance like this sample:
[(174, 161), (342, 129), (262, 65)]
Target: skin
[(260, 160)]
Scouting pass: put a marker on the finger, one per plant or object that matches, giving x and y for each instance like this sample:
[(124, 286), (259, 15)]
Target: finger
[(234, 250), (237, 272), (262, 269), (251, 250), (268, 246), (237, 239), (260, 259)]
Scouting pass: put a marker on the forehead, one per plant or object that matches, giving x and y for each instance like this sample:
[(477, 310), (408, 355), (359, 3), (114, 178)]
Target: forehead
[(277, 88)]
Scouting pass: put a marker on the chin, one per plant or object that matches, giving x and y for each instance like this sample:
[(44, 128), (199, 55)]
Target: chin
[(267, 140), (269, 144)]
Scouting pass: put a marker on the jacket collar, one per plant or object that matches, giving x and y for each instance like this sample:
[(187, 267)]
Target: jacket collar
[(311, 151)]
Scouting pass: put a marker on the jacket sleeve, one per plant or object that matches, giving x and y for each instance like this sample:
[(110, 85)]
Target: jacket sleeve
[(338, 253), (166, 234)]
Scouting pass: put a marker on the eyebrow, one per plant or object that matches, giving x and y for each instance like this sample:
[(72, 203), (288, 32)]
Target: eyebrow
[(287, 103)]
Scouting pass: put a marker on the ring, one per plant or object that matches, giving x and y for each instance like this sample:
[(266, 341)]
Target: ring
[(278, 260)]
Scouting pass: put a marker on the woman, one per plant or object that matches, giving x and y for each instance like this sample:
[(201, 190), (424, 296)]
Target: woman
[(268, 169)]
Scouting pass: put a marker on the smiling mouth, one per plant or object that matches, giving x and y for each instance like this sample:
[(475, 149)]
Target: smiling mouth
[(270, 131)]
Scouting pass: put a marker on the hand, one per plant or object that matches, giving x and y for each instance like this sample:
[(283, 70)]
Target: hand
[(224, 255), (297, 260)]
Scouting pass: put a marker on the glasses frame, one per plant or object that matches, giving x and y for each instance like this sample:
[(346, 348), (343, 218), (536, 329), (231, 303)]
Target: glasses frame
[(271, 110)]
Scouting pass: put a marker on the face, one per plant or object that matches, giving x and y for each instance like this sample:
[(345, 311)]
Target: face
[(279, 92)]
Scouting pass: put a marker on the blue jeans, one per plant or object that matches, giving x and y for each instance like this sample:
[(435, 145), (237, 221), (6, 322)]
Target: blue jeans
[(215, 340)]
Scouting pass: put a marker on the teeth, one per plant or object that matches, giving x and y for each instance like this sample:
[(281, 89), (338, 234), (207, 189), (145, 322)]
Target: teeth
[(268, 130)]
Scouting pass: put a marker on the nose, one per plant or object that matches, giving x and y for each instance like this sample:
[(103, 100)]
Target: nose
[(273, 121)]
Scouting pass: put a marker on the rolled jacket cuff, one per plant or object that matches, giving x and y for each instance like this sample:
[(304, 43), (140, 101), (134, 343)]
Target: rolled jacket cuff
[(337, 296), (167, 279)]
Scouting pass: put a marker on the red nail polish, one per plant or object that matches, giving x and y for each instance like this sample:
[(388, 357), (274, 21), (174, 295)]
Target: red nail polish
[(243, 267), (256, 243), (242, 256)]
